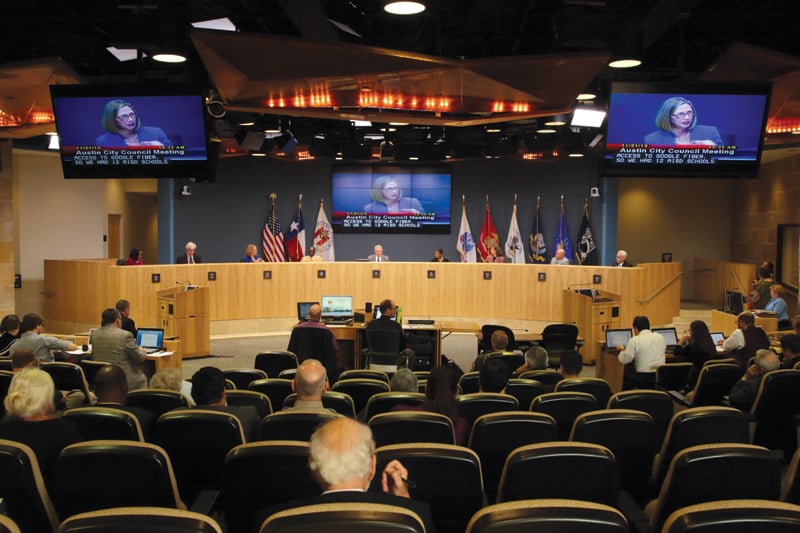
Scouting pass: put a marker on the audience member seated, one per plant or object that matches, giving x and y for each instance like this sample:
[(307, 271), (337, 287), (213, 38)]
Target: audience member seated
[(387, 322), (404, 380), (113, 344), (697, 347), (24, 359), (208, 392), (790, 350), (777, 304), (42, 346), (499, 342), (535, 359), (111, 389), (571, 365), (646, 350), (743, 394), (124, 308), (745, 340), (10, 328), (796, 325), (310, 383), (172, 379), (342, 459), (494, 376), (320, 346), (30, 418), (441, 396)]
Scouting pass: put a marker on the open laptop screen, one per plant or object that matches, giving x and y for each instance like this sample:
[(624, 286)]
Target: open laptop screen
[(717, 337), (337, 307), (149, 338), (618, 337), (302, 310), (670, 335)]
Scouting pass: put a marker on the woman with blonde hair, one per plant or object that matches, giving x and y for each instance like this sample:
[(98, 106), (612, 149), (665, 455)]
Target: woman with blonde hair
[(778, 305), (251, 254), (31, 418)]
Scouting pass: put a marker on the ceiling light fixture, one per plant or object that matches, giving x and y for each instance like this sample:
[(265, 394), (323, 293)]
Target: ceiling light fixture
[(403, 8), (169, 58), (582, 97)]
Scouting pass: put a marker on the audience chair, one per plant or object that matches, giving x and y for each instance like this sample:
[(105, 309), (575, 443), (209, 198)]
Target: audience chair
[(716, 472), (364, 373), (485, 343), (276, 389), (777, 401), (7, 525), (631, 437), (157, 401), (447, 477), (695, 426), (548, 516), (22, 489), (336, 401), (315, 343), (288, 373), (496, 435), (5, 364), (360, 390), (548, 378), (713, 385), (790, 488), (5, 382), (105, 423), (340, 517), (719, 360), (242, 377), (524, 390), (402, 427), (67, 377), (422, 374), (229, 385), (468, 383), (557, 339), (138, 519), (263, 474), (90, 368), (735, 516), (293, 424), (473, 406), (673, 376), (571, 470), (382, 352), (512, 360), (100, 474), (197, 441), (384, 402), (597, 387), (273, 362), (564, 407), (258, 400), (657, 404)]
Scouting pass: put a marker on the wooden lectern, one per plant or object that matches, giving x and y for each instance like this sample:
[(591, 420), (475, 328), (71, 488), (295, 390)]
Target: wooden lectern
[(593, 311), (183, 313)]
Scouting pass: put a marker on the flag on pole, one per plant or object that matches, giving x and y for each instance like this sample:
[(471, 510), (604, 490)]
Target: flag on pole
[(562, 235), (323, 236), (587, 249), (489, 238), (514, 246), (537, 248), (465, 243), (295, 237), (271, 236)]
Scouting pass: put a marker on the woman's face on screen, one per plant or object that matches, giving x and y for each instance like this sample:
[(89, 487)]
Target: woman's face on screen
[(682, 116), (391, 190), (126, 118)]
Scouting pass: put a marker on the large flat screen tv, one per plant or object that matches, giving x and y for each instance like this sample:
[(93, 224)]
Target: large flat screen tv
[(689, 129), (391, 199), (132, 131)]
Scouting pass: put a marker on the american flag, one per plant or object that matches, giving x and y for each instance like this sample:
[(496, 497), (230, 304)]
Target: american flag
[(272, 238)]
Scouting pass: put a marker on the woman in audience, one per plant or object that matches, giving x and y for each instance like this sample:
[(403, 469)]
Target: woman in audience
[(10, 328), (697, 347), (135, 257), (172, 379), (31, 420), (778, 305), (441, 396)]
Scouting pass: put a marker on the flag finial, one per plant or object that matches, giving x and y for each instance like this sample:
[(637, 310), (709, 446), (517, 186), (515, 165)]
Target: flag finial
[(273, 196)]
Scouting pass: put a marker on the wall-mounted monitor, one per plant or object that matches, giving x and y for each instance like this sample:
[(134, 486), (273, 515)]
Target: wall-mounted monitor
[(132, 131), (390, 199), (686, 129)]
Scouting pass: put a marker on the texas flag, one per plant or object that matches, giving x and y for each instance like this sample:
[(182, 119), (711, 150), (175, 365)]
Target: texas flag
[(295, 238)]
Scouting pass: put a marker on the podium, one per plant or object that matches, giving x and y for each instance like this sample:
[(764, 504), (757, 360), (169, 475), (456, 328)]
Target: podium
[(183, 314), (593, 311)]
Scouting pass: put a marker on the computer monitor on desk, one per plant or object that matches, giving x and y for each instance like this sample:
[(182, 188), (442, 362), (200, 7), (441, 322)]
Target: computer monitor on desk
[(303, 309), (337, 309)]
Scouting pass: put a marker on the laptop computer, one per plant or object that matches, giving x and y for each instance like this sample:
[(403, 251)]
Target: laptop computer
[(302, 310), (670, 337), (150, 339), (337, 309), (617, 337), (717, 338)]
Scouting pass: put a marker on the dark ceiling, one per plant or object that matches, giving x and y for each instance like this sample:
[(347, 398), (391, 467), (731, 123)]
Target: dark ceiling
[(680, 39)]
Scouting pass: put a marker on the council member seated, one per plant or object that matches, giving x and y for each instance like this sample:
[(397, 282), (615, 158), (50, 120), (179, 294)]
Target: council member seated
[(438, 256), (495, 254), (311, 255), (622, 259), (677, 124), (190, 257), (251, 255), (387, 197), (560, 258), (135, 257), (377, 255), (124, 128)]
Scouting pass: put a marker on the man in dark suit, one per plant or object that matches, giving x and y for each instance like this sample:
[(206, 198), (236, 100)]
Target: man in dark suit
[(124, 308), (388, 322), (111, 388), (377, 256), (342, 459), (208, 392), (190, 257), (622, 259)]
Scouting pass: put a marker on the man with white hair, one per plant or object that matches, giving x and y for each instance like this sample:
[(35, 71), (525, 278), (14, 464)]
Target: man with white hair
[(342, 460), (190, 257), (743, 394), (622, 259)]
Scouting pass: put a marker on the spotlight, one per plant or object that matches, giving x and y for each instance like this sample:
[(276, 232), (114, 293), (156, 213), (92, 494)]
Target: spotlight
[(403, 8)]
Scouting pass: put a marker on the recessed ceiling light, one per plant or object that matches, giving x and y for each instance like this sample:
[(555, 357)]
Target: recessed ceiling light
[(629, 62), (586, 96), (404, 8), (169, 58), (546, 130), (492, 130), (554, 123), (575, 155)]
